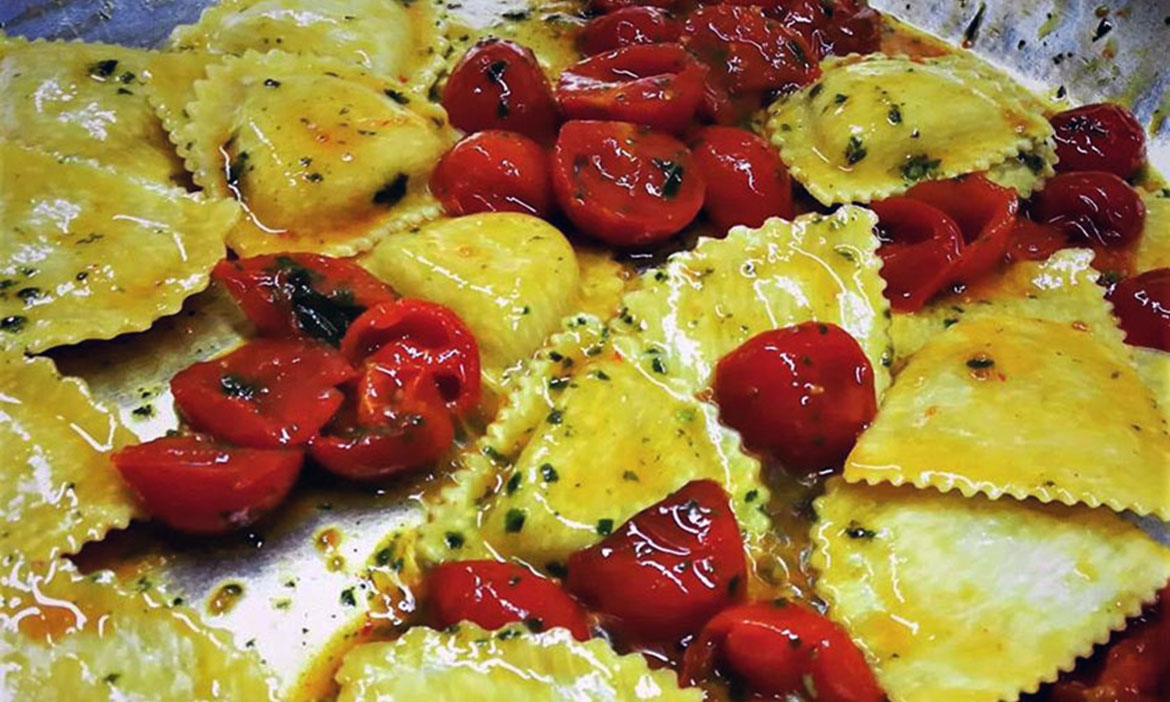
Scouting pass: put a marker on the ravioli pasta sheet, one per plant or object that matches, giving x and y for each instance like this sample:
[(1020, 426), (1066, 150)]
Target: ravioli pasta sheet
[(86, 253), (871, 127), (322, 156), (1153, 248), (508, 664), (976, 600)]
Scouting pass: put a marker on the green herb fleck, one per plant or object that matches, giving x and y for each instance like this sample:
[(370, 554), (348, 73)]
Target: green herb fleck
[(454, 540), (840, 99), (514, 520), (854, 150), (894, 115), (393, 191), (630, 476), (234, 386), (103, 69), (856, 531), (548, 473), (980, 362), (672, 177), (751, 495), (556, 417), (513, 483), (347, 597), (397, 97), (604, 527), (918, 167)]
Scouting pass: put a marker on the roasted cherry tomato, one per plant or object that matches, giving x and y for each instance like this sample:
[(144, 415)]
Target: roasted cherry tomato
[(836, 27), (415, 333), (802, 393), (1094, 207), (626, 27), (1034, 242), (493, 171), (746, 180), (1101, 137), (670, 568), (749, 51), (499, 85), (779, 649), (195, 485), (268, 393), (1142, 303), (659, 86), (625, 184), (493, 594), (607, 6), (721, 107), (919, 243), (301, 294)]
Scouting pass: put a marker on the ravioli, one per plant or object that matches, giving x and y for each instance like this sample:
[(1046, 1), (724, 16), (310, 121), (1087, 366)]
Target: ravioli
[(1022, 407), (86, 253), (1154, 368), (1153, 248), (172, 84), (872, 126), (322, 157), (971, 599)]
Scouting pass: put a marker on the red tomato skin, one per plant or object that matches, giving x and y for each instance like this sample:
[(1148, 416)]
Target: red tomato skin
[(1034, 242), (608, 6), (196, 486), (269, 393), (1142, 304), (626, 27), (778, 649), (749, 51), (492, 594), (498, 84), (660, 193), (746, 181), (801, 394), (1093, 207), (658, 86), (831, 28), (669, 569), (1099, 137), (919, 245), (493, 171)]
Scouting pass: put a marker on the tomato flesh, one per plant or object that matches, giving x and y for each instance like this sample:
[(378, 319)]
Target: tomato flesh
[(801, 394), (498, 84), (918, 245), (1093, 207), (746, 181), (492, 594), (749, 51), (1035, 242), (1099, 137), (194, 485), (1142, 304), (626, 27), (837, 28), (493, 171), (608, 6)]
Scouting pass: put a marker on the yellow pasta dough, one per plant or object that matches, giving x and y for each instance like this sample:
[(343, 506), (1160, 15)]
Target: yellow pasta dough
[(1153, 248)]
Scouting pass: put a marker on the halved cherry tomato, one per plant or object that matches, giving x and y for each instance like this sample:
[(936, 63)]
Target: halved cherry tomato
[(268, 393), (919, 243), (1100, 137), (197, 486), (782, 648), (721, 107), (1034, 242), (746, 181), (420, 334), (625, 184), (626, 27), (749, 51), (1092, 206), (802, 393), (670, 568), (498, 84), (492, 594), (659, 86), (836, 27), (301, 294), (607, 6), (493, 171), (1142, 304)]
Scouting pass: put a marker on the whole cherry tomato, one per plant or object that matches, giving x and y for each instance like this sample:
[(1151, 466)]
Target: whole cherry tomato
[(656, 85), (626, 27), (1142, 304), (746, 181), (493, 171), (301, 294), (802, 393), (492, 594), (1100, 137), (498, 84), (197, 486), (268, 393), (624, 184), (781, 648), (669, 569), (1094, 207), (749, 51), (919, 243), (1034, 242)]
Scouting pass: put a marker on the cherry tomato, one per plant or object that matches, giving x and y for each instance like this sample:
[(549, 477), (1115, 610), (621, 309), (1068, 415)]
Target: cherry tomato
[(493, 171), (301, 294), (838, 27), (746, 181), (721, 107), (1094, 207), (624, 184), (781, 648), (194, 485), (749, 51), (416, 333), (607, 6), (919, 243), (626, 27), (1034, 242), (670, 568), (1100, 137), (268, 393), (802, 393), (498, 84), (1142, 304), (659, 86), (493, 594)]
